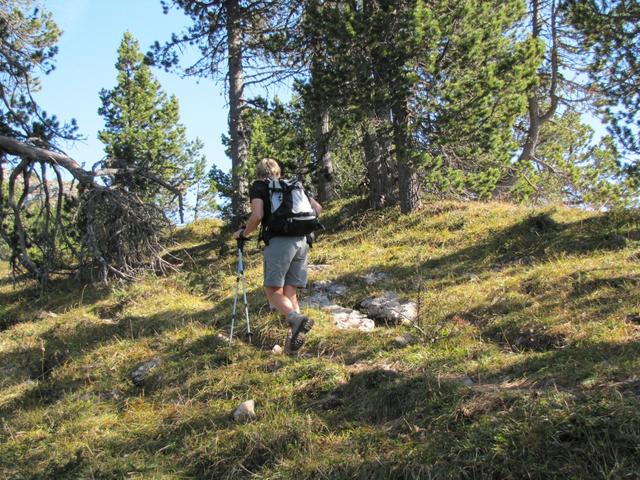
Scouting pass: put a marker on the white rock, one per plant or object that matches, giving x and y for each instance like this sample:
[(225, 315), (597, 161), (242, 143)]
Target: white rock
[(375, 277), (276, 350), (404, 340), (389, 309), (329, 288), (333, 308), (245, 412), (318, 267), (353, 320), (141, 371), (343, 318), (317, 300)]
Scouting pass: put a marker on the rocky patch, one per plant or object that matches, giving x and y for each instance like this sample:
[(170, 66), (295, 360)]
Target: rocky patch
[(386, 309), (142, 371), (322, 297), (389, 309)]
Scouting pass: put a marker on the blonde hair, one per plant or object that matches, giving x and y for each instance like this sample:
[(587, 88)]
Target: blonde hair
[(268, 168)]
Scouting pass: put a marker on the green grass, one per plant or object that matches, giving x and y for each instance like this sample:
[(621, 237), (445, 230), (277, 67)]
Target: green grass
[(536, 306)]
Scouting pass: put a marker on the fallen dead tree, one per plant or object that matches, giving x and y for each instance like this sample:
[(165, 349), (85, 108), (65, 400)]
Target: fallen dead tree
[(97, 233)]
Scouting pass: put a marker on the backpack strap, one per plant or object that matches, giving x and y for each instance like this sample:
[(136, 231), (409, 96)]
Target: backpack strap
[(266, 211)]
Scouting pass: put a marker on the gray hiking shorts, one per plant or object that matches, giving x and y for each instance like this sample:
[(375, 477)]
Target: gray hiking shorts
[(285, 262)]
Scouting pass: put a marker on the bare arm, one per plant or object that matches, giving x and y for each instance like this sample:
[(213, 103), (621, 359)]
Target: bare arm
[(257, 212), (316, 206)]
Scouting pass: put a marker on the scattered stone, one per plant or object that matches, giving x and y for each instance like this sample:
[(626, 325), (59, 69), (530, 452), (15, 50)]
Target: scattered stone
[(329, 288), (317, 300), (141, 372), (318, 267), (375, 277), (633, 317), (222, 338), (245, 412), (404, 340), (114, 394), (343, 318), (389, 309), (43, 315), (276, 350), (348, 319)]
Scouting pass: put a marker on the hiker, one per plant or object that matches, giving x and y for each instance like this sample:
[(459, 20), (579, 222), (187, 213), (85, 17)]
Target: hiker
[(285, 254)]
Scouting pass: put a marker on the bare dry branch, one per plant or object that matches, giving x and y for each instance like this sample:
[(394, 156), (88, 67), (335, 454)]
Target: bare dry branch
[(113, 232)]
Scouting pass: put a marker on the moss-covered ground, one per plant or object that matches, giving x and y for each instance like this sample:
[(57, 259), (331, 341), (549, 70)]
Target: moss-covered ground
[(524, 362)]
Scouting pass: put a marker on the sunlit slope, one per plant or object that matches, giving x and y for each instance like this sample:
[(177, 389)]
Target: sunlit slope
[(523, 363)]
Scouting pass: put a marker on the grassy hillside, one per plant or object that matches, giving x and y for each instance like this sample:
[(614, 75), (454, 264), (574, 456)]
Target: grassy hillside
[(524, 362)]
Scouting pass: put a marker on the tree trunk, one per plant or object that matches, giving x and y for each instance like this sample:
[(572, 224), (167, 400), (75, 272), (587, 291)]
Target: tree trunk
[(326, 189), (533, 132), (409, 188), (376, 146), (239, 148), (377, 141), (537, 118), (196, 207)]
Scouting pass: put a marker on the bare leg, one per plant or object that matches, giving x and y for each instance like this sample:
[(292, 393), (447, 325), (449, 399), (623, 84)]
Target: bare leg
[(291, 293), (278, 299)]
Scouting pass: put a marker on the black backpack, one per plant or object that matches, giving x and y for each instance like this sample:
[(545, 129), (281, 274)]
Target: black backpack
[(291, 214)]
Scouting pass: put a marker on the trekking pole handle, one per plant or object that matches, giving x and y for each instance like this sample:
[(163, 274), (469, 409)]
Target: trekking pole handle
[(241, 239)]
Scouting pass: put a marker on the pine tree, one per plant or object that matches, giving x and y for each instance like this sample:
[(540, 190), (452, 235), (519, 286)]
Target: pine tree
[(204, 191), (560, 87), (143, 136), (612, 41), (473, 74), (346, 78), (241, 36), (570, 167), (28, 37), (94, 231)]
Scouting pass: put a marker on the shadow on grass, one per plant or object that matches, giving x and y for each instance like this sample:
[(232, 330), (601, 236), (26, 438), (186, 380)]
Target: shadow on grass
[(538, 238), (535, 239), (57, 349), (523, 323), (197, 256), (27, 300), (578, 366), (557, 427)]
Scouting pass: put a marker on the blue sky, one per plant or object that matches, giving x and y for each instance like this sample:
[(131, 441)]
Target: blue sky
[(92, 31)]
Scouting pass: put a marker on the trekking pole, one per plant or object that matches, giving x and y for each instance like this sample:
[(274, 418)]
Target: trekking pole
[(240, 280)]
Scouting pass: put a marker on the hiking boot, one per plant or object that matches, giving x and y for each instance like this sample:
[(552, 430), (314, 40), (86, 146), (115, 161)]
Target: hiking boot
[(292, 347), (300, 325)]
